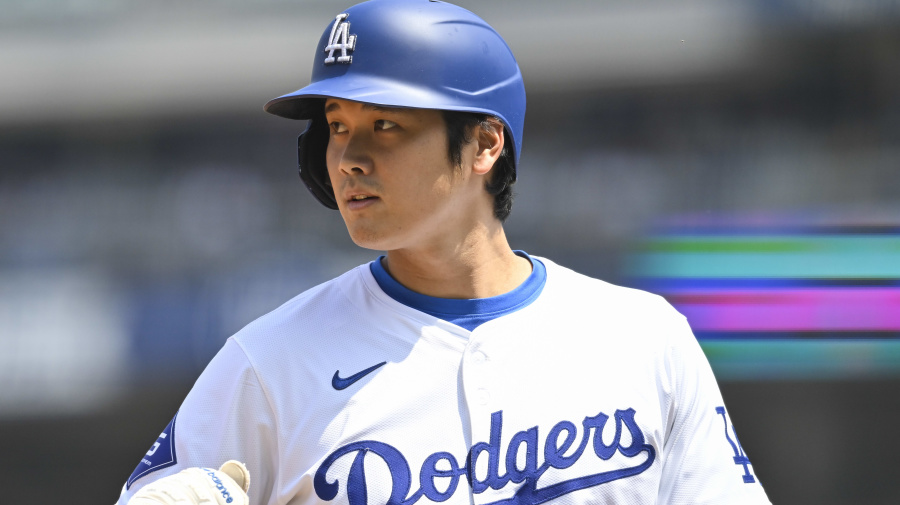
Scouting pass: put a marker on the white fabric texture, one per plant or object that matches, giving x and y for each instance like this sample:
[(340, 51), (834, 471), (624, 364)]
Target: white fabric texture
[(592, 394)]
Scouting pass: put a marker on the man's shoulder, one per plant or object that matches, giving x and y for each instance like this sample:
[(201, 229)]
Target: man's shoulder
[(566, 286), (307, 314)]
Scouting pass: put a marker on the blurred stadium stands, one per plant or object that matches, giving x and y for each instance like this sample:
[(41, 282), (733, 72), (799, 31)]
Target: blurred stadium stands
[(149, 209)]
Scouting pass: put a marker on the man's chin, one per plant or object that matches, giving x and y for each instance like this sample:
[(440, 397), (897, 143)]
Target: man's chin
[(369, 239)]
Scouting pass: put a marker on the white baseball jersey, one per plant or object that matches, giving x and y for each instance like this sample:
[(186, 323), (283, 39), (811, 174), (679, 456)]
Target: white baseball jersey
[(587, 393)]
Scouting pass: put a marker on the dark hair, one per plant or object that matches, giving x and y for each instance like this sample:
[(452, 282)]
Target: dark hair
[(460, 127)]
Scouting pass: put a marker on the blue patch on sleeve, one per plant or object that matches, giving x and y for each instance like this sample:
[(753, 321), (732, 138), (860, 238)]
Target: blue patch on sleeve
[(161, 455)]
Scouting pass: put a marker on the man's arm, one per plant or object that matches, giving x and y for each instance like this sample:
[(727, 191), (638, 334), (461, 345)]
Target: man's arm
[(704, 462), (225, 416)]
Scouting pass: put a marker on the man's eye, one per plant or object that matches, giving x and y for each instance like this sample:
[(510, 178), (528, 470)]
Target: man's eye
[(384, 124), (337, 127)]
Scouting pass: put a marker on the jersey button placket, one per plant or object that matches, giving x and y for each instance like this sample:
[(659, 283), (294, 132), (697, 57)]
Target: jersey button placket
[(477, 388), (483, 400), (482, 395)]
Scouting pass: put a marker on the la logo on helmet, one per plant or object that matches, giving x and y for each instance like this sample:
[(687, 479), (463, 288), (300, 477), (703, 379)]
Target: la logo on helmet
[(340, 39)]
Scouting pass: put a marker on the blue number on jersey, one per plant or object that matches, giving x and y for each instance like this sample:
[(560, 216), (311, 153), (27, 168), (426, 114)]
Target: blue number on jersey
[(160, 456), (739, 457)]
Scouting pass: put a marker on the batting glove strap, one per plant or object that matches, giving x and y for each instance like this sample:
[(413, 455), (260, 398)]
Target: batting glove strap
[(198, 486)]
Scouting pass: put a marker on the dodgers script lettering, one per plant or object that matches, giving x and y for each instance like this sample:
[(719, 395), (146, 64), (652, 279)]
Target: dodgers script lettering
[(557, 453)]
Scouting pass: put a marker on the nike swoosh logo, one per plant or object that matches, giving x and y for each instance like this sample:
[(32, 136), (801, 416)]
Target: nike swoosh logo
[(339, 383)]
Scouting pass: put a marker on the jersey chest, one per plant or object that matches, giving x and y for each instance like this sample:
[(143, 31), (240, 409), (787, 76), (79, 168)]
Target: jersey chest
[(519, 410)]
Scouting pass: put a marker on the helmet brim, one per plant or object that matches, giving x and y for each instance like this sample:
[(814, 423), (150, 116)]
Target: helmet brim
[(303, 103)]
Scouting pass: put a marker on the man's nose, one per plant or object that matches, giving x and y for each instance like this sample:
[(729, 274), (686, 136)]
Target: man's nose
[(356, 158)]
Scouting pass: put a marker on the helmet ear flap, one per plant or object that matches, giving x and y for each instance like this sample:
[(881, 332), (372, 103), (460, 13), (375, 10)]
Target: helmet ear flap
[(311, 145)]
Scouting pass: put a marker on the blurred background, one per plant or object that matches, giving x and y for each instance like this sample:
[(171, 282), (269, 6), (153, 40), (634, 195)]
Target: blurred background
[(740, 158)]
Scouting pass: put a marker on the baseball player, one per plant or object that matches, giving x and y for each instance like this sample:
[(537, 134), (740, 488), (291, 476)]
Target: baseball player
[(453, 368)]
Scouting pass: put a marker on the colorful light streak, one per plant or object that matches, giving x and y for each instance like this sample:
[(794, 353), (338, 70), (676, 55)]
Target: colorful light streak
[(790, 301)]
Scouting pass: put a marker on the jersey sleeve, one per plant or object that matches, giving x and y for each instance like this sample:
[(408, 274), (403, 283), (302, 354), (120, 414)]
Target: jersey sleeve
[(703, 461), (226, 415)]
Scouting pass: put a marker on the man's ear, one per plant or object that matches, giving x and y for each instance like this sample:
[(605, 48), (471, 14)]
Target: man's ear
[(489, 137)]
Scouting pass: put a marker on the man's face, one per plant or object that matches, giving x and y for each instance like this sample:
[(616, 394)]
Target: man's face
[(395, 185)]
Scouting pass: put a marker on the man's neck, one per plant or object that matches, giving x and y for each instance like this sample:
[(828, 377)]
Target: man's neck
[(481, 267)]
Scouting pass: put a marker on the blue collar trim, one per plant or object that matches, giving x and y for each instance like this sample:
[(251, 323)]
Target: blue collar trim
[(467, 313)]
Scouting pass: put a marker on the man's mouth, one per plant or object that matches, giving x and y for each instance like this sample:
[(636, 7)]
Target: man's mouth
[(356, 202)]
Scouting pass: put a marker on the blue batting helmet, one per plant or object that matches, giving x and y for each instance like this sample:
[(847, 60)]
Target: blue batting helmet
[(404, 53)]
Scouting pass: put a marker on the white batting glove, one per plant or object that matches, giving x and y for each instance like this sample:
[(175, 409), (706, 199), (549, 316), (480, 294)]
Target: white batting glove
[(198, 486)]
